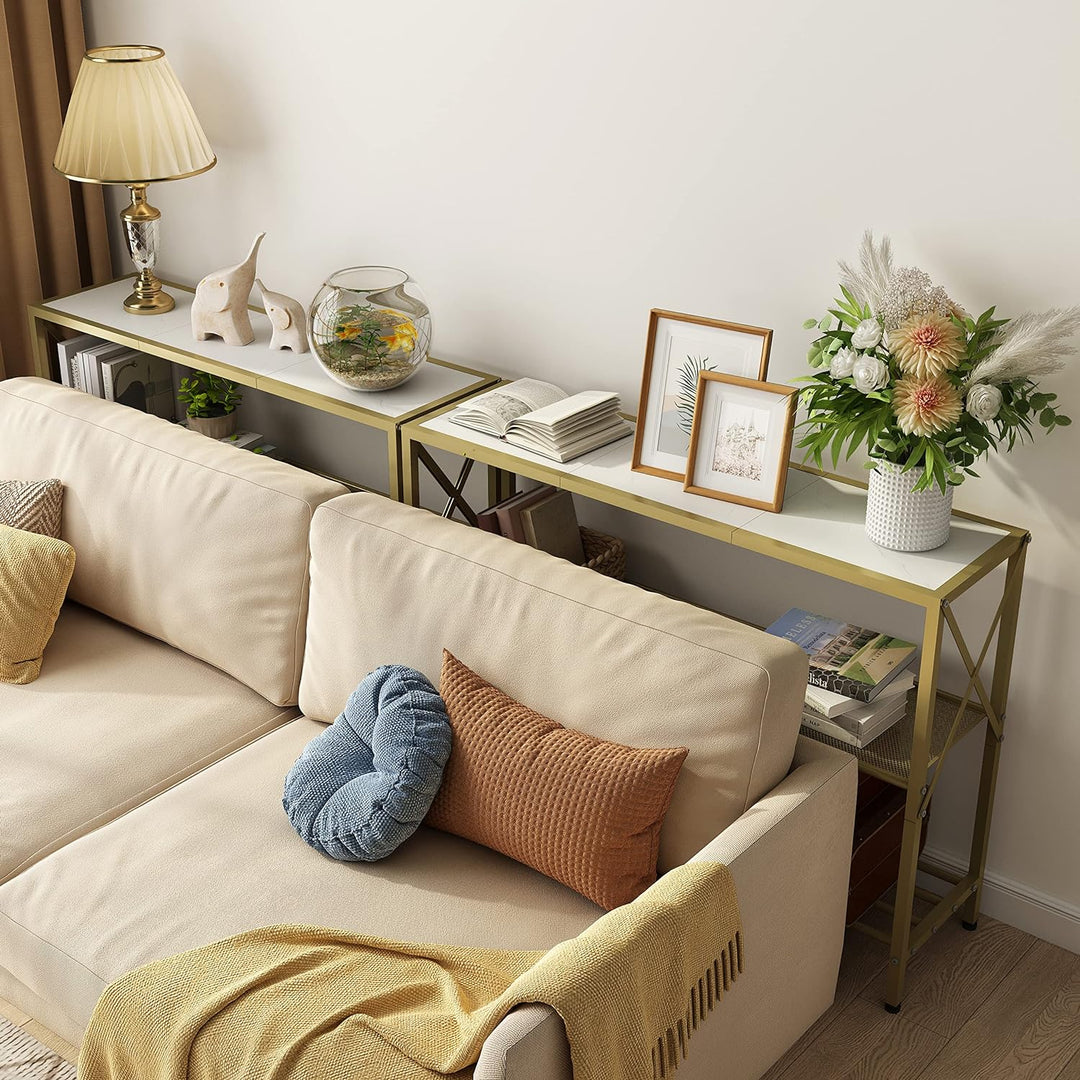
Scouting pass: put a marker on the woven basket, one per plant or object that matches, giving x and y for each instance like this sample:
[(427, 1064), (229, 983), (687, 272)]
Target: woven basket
[(604, 554)]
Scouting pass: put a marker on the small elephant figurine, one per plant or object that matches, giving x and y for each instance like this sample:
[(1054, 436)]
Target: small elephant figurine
[(288, 319), (220, 307)]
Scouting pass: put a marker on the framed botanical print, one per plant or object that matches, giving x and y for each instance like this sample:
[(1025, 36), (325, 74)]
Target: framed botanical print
[(678, 348), (741, 440)]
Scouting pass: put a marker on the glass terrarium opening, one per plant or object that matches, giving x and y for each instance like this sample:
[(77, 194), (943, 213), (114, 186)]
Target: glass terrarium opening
[(368, 278)]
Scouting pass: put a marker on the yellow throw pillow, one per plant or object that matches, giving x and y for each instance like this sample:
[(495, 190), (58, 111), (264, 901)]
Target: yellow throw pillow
[(34, 575)]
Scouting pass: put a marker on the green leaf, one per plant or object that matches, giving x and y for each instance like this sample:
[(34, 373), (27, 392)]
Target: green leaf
[(916, 455), (1046, 418), (1062, 421), (809, 324)]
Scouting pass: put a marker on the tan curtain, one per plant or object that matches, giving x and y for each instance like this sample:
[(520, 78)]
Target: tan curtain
[(53, 237)]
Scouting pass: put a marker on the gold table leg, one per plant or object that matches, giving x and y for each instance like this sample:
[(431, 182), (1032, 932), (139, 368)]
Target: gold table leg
[(901, 950), (501, 484), (393, 461), (39, 345), (999, 694), (410, 486)]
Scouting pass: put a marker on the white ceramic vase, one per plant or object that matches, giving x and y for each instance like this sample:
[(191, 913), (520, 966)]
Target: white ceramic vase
[(904, 520)]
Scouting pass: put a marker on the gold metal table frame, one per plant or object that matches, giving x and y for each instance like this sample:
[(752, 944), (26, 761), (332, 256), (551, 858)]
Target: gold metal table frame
[(912, 753), (43, 316)]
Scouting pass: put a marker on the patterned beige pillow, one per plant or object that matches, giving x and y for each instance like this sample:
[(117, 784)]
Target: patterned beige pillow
[(34, 575), (32, 505)]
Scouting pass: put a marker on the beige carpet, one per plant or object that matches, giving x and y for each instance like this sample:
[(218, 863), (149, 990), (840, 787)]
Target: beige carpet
[(23, 1057)]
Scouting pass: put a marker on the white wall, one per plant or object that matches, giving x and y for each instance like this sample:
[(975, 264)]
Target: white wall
[(551, 171)]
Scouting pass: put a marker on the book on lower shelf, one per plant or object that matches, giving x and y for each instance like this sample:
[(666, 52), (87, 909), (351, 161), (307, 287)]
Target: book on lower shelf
[(117, 373), (862, 726), (833, 706), (67, 352), (847, 659), (540, 417), (142, 381), (543, 518)]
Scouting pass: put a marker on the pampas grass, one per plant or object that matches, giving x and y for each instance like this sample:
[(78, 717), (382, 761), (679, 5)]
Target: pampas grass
[(1032, 344), (867, 284)]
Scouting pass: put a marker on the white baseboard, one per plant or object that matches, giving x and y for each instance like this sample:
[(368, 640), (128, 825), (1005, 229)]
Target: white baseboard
[(1048, 917)]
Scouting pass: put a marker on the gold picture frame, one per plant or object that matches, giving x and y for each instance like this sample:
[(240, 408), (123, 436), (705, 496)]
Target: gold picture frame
[(740, 441), (661, 435)]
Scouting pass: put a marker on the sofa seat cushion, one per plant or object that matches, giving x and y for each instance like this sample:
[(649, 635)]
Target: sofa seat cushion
[(114, 718), (216, 855)]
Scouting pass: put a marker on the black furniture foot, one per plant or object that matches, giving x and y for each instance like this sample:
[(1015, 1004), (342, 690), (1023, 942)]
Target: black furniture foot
[(969, 925), (894, 1009)]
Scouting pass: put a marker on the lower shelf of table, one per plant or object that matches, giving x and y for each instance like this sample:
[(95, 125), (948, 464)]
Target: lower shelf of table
[(889, 755)]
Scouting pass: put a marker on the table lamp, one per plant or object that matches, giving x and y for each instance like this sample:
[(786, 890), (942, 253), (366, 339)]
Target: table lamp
[(130, 122)]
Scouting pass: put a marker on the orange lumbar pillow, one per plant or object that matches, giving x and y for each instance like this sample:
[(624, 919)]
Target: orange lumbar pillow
[(34, 575), (581, 810)]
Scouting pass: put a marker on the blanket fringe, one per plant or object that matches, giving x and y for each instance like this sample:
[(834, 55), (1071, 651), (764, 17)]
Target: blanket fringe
[(672, 1046)]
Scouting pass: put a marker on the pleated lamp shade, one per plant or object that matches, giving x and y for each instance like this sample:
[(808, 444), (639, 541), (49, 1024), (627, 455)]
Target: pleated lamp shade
[(129, 121)]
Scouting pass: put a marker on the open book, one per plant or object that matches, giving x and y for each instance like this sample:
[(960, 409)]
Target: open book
[(544, 419)]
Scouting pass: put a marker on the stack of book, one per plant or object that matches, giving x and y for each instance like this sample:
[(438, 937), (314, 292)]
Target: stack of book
[(116, 373), (859, 678), (543, 518), (544, 419)]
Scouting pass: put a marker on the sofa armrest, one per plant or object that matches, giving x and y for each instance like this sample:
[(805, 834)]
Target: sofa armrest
[(789, 854)]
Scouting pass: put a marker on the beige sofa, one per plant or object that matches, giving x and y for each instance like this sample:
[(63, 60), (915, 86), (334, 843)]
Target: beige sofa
[(141, 776)]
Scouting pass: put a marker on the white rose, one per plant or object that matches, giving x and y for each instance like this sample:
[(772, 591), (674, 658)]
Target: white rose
[(870, 374), (866, 335), (842, 363), (984, 402)]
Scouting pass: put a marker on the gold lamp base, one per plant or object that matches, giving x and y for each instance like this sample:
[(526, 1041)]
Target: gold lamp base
[(141, 229), (148, 298)]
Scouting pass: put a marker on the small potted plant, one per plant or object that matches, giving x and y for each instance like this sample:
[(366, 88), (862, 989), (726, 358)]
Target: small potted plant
[(211, 403)]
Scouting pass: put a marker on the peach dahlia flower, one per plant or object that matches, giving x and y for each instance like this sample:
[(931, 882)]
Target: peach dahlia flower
[(927, 345), (925, 406)]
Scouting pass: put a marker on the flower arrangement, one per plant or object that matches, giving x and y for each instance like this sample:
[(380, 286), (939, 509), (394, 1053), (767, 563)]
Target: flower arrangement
[(918, 381)]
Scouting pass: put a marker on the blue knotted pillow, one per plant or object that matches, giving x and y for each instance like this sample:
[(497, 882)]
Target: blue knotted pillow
[(362, 786)]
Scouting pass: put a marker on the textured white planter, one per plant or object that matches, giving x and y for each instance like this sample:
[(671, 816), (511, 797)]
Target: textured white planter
[(904, 520)]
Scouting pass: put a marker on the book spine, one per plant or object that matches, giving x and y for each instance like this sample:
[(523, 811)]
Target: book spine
[(840, 684), (65, 364), (488, 521), (834, 731), (77, 380), (510, 524), (107, 383)]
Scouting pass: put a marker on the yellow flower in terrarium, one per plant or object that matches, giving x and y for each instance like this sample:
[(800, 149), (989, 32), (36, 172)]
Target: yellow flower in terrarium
[(403, 338)]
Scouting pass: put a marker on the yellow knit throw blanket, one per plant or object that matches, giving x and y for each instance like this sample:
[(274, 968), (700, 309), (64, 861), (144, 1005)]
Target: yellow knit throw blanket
[(289, 1002)]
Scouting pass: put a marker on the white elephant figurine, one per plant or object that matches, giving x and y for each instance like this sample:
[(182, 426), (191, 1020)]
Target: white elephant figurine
[(288, 319), (220, 307)]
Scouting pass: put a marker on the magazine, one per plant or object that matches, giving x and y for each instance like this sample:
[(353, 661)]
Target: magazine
[(844, 658)]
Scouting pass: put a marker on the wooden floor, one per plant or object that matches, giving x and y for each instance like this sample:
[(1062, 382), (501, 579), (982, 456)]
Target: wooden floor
[(990, 1005)]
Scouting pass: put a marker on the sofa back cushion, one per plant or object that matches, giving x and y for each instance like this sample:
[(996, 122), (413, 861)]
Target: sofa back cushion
[(198, 544), (391, 584)]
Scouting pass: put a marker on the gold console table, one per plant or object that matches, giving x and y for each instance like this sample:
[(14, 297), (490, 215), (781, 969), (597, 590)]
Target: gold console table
[(820, 529), (99, 311)]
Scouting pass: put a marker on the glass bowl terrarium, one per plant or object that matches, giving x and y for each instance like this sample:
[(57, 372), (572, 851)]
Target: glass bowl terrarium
[(370, 327)]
